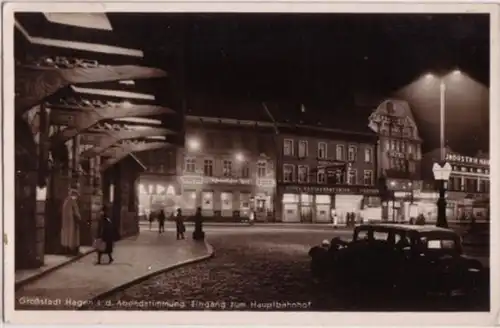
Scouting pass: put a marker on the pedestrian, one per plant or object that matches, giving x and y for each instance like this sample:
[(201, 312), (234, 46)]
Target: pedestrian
[(151, 218), (161, 221), (179, 225), (251, 217), (198, 233), (106, 236), (70, 229), (472, 222), (333, 216), (420, 219)]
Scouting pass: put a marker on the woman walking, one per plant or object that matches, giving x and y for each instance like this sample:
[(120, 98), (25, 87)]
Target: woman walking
[(106, 235)]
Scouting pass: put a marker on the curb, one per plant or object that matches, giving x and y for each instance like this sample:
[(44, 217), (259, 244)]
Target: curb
[(211, 254), (42, 274)]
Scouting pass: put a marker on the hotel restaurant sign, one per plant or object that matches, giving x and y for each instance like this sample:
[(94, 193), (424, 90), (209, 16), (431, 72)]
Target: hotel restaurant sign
[(332, 190), (455, 158)]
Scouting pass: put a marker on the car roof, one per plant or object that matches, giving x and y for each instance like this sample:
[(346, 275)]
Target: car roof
[(406, 227)]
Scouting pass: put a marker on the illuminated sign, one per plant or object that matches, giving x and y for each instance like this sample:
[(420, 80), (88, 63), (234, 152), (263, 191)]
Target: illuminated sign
[(332, 190), (396, 154), (199, 180), (195, 180), (266, 182), (466, 159), (228, 180), (379, 118), (156, 189)]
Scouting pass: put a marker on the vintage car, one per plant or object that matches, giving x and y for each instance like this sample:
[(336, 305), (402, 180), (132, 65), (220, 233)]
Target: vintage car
[(398, 257)]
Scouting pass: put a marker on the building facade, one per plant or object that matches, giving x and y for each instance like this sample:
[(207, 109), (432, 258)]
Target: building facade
[(158, 186), (324, 171), (399, 157), (468, 188), (227, 168)]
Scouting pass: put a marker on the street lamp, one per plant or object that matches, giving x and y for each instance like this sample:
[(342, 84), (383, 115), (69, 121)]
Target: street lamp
[(442, 171), (442, 174), (239, 157), (194, 144), (442, 108)]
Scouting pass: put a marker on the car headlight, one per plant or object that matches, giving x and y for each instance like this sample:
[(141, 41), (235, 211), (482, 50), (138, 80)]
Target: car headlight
[(473, 270)]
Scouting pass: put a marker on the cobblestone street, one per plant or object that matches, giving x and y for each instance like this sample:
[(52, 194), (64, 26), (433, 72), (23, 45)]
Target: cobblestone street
[(250, 271)]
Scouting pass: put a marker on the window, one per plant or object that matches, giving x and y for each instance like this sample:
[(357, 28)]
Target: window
[(226, 201), (387, 145), (245, 170), (368, 177), (339, 156), (288, 172), (381, 235), (410, 148), (190, 165), (339, 177), (403, 146), (353, 176), (411, 167), (208, 168), (189, 199), (261, 169), (351, 154), (244, 201), (368, 154), (393, 145), (322, 150), (321, 175), (482, 185), (303, 173), (207, 200), (288, 147), (303, 151), (227, 168)]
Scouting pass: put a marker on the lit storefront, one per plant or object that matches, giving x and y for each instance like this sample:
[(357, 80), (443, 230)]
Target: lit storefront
[(314, 204), (227, 197), (156, 193)]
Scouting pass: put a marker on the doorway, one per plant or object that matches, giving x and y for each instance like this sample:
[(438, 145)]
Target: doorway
[(306, 214)]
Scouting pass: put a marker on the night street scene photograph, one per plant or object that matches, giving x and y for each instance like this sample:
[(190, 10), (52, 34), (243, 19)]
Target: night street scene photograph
[(265, 162)]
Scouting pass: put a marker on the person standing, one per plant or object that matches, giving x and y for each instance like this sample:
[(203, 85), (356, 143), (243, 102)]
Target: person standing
[(198, 233), (70, 229), (179, 225), (251, 218), (333, 215), (151, 218), (106, 235), (161, 221)]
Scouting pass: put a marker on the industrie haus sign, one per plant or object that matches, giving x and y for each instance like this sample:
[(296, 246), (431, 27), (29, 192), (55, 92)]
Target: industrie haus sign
[(466, 159)]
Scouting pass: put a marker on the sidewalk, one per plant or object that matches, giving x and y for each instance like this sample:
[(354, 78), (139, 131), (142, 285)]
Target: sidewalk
[(51, 263), (74, 284)]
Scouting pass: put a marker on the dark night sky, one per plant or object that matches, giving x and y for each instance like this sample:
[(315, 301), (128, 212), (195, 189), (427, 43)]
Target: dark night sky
[(323, 59)]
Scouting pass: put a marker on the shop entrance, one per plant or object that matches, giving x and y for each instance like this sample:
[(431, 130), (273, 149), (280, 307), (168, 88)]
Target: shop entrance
[(306, 214)]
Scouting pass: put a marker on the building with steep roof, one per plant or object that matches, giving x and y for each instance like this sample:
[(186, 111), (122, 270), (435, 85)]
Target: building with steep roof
[(399, 155)]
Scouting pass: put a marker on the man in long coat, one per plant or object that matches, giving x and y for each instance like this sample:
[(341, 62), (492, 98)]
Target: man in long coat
[(70, 230)]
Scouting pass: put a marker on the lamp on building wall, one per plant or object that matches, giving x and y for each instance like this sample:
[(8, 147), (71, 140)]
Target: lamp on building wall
[(193, 144), (441, 175), (239, 157)]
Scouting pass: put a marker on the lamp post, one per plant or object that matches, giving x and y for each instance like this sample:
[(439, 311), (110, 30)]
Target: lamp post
[(442, 171), (441, 175)]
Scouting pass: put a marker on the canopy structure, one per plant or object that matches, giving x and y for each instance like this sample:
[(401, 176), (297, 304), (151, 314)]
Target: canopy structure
[(50, 56), (73, 69)]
